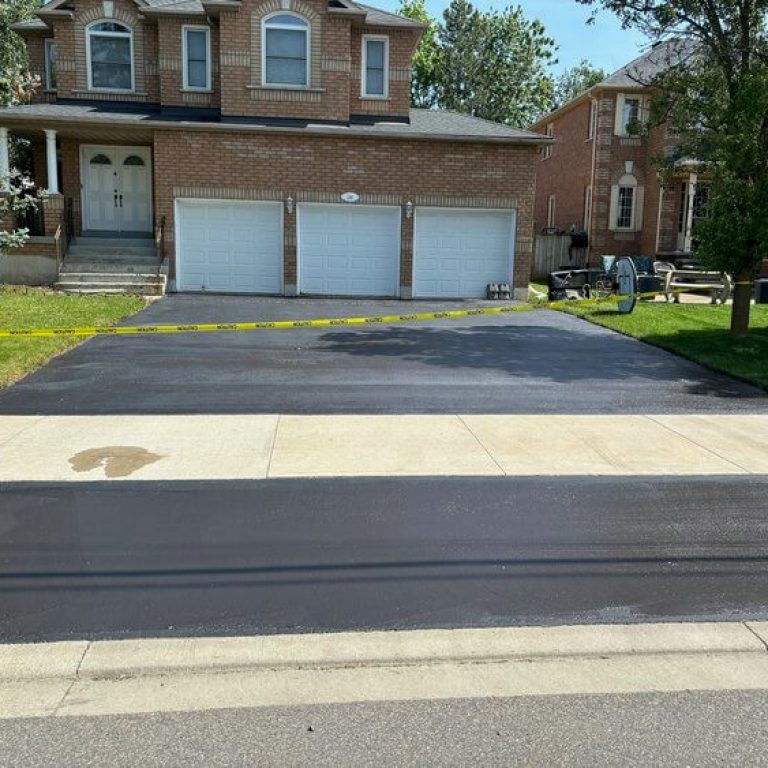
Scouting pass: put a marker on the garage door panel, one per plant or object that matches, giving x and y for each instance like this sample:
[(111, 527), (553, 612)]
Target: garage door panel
[(230, 246), (348, 250), (458, 252)]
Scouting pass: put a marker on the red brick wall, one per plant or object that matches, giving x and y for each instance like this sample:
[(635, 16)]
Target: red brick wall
[(382, 171), (566, 173), (171, 65), (402, 44)]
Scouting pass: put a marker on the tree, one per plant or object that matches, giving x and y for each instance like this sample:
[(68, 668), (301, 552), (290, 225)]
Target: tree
[(18, 197), (16, 83), (714, 95), (423, 93), (576, 80), (493, 65)]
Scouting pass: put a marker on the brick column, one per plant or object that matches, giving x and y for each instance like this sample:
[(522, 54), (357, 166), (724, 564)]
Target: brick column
[(290, 283), (406, 253), (53, 213)]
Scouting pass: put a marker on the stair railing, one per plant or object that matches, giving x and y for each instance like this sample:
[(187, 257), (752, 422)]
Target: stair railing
[(160, 244)]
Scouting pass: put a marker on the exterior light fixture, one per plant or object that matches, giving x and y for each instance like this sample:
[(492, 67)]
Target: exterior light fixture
[(408, 209), (289, 204)]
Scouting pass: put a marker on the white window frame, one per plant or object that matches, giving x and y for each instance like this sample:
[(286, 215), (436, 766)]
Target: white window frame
[(364, 67), (587, 207), (185, 63), (49, 43), (638, 198), (550, 132), (551, 212), (307, 31), (592, 127), (129, 34), (621, 100)]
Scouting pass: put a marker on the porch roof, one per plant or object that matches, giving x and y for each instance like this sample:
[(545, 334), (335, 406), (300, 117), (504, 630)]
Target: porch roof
[(139, 121)]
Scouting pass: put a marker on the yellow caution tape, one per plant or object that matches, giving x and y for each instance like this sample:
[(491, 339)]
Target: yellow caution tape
[(453, 314)]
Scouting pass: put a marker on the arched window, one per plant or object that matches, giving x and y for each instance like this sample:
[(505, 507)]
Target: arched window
[(285, 51), (626, 204), (109, 49)]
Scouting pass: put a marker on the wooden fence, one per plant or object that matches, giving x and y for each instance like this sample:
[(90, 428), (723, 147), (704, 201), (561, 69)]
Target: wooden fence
[(554, 251)]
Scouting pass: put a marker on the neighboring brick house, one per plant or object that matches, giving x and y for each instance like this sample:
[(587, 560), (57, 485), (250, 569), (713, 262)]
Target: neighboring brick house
[(273, 144), (599, 176)]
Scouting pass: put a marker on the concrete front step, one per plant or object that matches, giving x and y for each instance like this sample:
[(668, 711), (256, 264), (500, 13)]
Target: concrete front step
[(114, 242), (71, 276), (114, 266), (100, 252), (108, 283)]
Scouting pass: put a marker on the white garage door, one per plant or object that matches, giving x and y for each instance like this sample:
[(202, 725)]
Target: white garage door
[(348, 250), (229, 246), (456, 253)]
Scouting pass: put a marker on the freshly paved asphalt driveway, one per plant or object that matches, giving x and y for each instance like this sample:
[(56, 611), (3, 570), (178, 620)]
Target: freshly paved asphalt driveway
[(531, 362)]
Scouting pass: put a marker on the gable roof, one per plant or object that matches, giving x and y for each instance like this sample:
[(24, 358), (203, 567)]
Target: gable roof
[(368, 14), (641, 71), (636, 75)]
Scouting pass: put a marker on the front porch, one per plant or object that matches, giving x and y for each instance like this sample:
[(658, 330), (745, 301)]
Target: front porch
[(95, 229)]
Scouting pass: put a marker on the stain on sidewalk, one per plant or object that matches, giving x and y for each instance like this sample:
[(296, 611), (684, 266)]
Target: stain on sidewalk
[(117, 460)]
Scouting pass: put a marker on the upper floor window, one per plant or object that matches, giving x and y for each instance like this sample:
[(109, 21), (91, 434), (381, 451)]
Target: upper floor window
[(629, 114), (285, 51), (50, 65), (548, 147), (375, 66), (196, 54), (592, 126), (109, 48)]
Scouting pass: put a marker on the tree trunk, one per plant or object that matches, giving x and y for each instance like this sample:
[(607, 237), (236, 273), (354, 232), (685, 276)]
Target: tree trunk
[(742, 298)]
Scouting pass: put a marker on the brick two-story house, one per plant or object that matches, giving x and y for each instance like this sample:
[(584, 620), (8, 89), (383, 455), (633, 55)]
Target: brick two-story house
[(270, 146), (600, 175)]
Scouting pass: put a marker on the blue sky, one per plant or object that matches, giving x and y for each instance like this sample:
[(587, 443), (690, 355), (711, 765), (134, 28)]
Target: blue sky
[(605, 44)]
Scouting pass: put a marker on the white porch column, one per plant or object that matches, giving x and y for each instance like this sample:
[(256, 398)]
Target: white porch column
[(53, 167), (5, 163), (692, 181)]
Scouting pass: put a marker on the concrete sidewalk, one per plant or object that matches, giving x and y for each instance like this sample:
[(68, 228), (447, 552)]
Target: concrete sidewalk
[(153, 675), (225, 447)]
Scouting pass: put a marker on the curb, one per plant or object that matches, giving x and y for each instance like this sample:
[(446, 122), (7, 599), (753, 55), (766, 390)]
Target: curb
[(116, 659)]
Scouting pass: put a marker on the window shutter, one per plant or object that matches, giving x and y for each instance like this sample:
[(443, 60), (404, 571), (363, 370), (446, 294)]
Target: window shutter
[(613, 213), (639, 200)]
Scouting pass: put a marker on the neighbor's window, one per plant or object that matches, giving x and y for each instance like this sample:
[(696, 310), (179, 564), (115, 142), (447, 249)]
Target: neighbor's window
[(551, 212), (50, 65), (592, 126), (285, 48), (375, 66), (110, 56), (628, 113), (197, 58), (587, 207), (626, 212), (626, 207), (548, 147)]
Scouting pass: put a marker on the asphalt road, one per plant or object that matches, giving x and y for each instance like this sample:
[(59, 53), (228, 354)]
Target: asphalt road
[(99, 560), (672, 729), (531, 362)]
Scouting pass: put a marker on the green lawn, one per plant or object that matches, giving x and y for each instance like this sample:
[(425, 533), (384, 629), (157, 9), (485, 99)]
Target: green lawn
[(35, 308), (696, 331)]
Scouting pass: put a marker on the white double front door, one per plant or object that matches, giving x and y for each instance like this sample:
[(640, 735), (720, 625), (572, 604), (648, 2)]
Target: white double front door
[(117, 188)]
